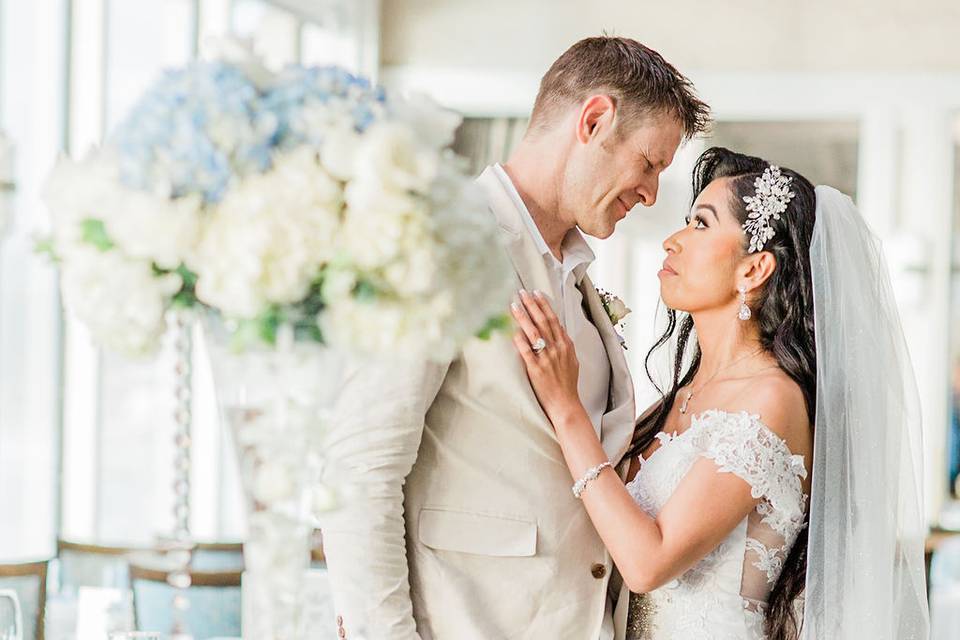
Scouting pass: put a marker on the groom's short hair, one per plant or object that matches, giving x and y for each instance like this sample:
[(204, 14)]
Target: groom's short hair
[(638, 79)]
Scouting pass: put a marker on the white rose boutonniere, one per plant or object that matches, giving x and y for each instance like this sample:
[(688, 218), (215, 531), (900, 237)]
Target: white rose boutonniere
[(616, 310)]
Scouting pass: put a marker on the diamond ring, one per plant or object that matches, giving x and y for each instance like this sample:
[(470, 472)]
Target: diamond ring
[(539, 345)]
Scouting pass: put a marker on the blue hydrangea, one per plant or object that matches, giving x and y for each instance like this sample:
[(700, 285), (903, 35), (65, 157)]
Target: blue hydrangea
[(200, 126), (193, 130), (299, 87)]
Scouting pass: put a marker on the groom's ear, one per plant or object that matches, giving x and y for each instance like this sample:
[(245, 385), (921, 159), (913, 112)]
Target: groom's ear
[(596, 115)]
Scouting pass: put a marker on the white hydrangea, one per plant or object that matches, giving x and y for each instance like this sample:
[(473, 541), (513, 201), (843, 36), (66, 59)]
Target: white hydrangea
[(145, 226), (421, 235), (120, 299), (267, 240)]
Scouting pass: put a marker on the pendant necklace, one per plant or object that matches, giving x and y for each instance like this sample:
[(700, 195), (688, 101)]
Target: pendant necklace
[(686, 401)]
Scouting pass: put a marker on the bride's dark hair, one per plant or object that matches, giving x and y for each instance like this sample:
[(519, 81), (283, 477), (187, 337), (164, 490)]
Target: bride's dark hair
[(783, 310)]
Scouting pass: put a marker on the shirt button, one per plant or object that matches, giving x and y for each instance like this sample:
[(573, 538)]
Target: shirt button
[(339, 621), (342, 633), (598, 571)]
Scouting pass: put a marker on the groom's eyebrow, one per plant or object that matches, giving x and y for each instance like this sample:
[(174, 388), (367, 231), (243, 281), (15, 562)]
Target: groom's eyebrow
[(710, 208)]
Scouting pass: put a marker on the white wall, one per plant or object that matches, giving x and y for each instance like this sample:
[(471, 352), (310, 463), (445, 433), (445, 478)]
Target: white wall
[(733, 35)]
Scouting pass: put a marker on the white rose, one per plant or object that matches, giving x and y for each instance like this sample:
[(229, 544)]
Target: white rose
[(617, 310), (391, 154)]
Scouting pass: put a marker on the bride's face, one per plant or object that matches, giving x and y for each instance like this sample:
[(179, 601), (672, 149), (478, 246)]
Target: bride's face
[(704, 258)]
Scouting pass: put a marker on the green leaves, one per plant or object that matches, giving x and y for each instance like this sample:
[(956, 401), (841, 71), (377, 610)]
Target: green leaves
[(494, 324), (94, 232), (365, 291), (186, 298), (44, 247)]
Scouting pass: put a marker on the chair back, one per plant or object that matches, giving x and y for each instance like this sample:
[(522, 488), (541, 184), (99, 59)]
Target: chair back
[(214, 598), (29, 581), (84, 564)]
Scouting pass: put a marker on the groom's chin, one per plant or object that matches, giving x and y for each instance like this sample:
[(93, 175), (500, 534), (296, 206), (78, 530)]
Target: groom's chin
[(600, 231)]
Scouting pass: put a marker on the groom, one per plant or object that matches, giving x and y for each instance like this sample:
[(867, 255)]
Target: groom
[(461, 523)]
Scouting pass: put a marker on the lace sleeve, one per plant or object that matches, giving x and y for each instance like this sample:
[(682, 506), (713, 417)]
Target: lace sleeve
[(741, 444)]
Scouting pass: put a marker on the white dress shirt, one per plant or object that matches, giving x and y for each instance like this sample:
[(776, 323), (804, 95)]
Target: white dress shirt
[(565, 277)]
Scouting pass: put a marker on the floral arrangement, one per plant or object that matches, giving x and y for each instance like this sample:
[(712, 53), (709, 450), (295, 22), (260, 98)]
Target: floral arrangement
[(307, 197)]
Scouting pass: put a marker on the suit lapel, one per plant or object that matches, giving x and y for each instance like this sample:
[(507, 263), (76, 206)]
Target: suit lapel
[(617, 424), (527, 259)]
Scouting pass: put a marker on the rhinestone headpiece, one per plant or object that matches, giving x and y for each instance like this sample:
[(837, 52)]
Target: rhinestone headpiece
[(770, 199)]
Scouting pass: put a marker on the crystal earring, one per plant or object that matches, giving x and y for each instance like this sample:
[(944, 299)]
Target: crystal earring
[(744, 313)]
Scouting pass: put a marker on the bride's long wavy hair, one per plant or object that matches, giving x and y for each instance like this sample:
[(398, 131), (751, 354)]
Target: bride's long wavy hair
[(783, 311)]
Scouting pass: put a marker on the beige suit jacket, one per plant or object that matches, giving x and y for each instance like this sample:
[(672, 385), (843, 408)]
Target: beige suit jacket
[(496, 545)]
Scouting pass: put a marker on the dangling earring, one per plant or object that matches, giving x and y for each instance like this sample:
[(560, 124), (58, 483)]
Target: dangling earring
[(744, 313)]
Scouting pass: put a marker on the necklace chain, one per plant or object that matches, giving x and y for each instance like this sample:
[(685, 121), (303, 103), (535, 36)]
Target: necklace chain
[(686, 401)]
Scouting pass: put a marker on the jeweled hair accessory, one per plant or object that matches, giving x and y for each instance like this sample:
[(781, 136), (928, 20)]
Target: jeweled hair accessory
[(770, 199)]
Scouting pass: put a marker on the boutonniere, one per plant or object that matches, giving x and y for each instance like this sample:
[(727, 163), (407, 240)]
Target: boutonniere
[(616, 311)]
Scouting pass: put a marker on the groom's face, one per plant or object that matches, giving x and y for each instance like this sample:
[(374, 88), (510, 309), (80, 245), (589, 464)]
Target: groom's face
[(613, 169)]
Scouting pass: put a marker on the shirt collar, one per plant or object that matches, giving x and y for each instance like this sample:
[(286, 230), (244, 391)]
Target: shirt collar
[(577, 254)]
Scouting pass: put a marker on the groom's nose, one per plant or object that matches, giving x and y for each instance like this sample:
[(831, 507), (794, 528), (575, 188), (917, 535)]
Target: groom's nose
[(647, 191)]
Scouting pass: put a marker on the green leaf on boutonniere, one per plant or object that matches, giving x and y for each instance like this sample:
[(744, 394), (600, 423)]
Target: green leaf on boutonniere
[(94, 232)]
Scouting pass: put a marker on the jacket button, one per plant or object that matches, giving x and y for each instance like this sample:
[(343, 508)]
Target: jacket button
[(598, 571)]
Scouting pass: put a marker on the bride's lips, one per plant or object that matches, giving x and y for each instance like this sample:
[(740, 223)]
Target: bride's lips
[(667, 270)]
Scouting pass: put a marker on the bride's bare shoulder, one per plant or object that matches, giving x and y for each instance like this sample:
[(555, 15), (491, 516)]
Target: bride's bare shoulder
[(780, 402)]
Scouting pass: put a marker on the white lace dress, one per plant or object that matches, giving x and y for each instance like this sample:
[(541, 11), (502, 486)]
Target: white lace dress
[(724, 596)]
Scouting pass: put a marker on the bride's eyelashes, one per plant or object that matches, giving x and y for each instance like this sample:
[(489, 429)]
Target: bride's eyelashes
[(701, 222)]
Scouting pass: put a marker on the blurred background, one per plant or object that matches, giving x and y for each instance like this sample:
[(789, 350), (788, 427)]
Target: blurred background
[(864, 96)]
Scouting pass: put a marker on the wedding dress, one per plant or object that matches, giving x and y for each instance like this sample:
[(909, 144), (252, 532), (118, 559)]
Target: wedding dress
[(724, 595)]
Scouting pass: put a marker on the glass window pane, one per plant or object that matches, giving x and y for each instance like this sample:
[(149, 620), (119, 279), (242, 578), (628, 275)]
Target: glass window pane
[(144, 37), (275, 33)]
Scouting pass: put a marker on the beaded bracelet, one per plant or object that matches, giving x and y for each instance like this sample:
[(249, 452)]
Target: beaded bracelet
[(591, 474)]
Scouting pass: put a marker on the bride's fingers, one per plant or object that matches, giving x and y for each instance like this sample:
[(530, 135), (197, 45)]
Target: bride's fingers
[(523, 346), (526, 324), (553, 322), (533, 309)]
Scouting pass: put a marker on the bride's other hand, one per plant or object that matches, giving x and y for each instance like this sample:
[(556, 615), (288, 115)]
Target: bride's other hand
[(554, 371)]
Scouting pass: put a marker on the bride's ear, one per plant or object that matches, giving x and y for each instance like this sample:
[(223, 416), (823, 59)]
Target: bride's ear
[(758, 269), (596, 113)]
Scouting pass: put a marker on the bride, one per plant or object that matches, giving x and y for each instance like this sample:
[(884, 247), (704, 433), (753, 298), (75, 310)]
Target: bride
[(771, 492)]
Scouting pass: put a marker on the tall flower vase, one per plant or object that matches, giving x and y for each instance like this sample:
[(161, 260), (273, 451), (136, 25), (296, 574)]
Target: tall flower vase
[(274, 400)]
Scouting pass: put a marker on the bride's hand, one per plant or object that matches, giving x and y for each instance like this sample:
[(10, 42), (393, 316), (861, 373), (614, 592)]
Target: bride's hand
[(555, 370)]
